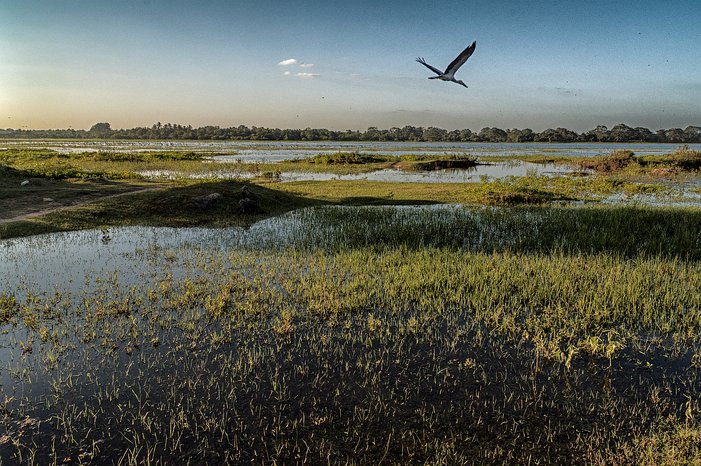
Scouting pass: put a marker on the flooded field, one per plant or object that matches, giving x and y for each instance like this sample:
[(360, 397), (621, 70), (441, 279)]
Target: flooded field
[(408, 335), (542, 313), (658, 174), (494, 170), (273, 151)]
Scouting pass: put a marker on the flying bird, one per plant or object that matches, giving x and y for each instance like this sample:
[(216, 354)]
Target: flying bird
[(449, 73)]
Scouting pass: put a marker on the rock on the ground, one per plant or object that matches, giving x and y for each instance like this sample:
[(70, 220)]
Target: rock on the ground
[(247, 205), (206, 201)]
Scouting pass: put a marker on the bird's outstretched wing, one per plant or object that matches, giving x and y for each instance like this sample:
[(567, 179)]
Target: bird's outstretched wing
[(435, 70), (460, 59)]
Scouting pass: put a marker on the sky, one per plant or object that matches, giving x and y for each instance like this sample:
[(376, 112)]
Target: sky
[(350, 64)]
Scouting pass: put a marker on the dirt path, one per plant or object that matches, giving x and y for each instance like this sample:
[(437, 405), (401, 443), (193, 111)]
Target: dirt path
[(39, 213)]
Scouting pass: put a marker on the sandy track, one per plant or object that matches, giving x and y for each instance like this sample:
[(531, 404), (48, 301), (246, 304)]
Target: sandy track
[(39, 213)]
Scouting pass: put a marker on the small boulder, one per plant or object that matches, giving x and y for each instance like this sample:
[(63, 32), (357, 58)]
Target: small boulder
[(206, 201), (247, 192), (247, 205)]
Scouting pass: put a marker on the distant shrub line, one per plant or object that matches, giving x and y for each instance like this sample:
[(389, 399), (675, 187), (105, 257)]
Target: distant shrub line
[(682, 158), (618, 133)]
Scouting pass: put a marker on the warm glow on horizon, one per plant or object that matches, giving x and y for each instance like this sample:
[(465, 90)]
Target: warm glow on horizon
[(351, 67)]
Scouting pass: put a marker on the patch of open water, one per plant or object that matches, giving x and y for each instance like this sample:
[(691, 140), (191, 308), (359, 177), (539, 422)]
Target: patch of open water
[(70, 260), (118, 376), (140, 256), (137, 256), (682, 197), (495, 170), (271, 151)]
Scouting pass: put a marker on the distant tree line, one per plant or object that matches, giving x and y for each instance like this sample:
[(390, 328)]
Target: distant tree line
[(619, 133)]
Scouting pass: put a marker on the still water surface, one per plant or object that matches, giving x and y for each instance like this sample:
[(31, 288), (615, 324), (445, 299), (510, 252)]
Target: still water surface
[(272, 151), (494, 170), (139, 256)]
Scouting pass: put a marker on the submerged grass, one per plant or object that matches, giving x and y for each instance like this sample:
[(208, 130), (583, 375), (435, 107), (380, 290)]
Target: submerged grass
[(398, 351), (553, 334), (624, 231)]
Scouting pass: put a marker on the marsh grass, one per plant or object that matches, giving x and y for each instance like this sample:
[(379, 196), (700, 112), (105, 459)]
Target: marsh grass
[(613, 162), (507, 191), (515, 191), (180, 166), (147, 156), (8, 307), (620, 230), (172, 203), (109, 165), (344, 158), (428, 163), (394, 350), (406, 335), (534, 158), (678, 446), (682, 158), (352, 162)]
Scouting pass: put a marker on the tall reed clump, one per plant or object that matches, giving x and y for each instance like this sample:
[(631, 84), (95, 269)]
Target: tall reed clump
[(615, 161), (344, 158), (686, 159), (682, 158)]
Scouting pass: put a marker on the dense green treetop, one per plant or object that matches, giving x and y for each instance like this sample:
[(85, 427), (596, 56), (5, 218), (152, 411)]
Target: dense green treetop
[(619, 133)]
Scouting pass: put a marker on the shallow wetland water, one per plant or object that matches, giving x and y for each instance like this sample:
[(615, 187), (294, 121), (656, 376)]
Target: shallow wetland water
[(414, 335), (443, 334)]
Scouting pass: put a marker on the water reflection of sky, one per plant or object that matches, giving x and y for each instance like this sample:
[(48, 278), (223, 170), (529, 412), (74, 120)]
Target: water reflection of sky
[(138, 257), (132, 256), (69, 260), (273, 154), (491, 171), (474, 174)]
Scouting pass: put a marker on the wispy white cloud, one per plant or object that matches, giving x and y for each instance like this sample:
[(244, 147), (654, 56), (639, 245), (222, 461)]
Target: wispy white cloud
[(302, 75)]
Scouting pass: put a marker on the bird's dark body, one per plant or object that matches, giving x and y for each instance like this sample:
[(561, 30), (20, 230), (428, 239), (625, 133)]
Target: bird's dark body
[(449, 73)]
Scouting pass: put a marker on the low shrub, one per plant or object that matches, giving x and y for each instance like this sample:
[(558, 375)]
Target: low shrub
[(615, 161), (345, 158)]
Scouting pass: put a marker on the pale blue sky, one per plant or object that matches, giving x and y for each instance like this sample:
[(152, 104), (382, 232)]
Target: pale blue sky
[(72, 63)]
